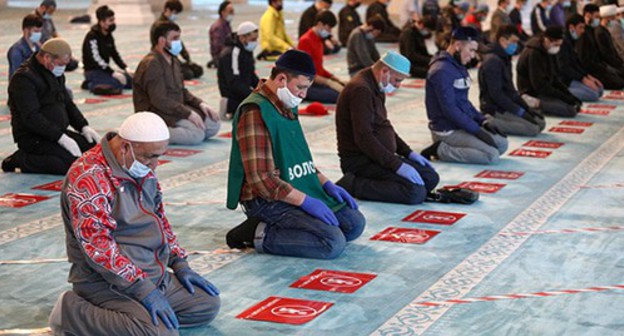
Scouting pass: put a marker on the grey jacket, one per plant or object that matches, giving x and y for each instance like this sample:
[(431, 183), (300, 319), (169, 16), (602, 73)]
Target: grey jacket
[(361, 52), (116, 229)]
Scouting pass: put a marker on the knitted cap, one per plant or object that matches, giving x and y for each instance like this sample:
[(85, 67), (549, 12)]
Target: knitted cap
[(296, 61), (465, 34), (57, 47)]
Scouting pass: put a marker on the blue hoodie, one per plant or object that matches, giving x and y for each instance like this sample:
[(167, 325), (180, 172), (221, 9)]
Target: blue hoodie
[(446, 96)]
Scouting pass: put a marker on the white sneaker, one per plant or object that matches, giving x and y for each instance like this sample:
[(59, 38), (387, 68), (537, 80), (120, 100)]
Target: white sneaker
[(54, 321)]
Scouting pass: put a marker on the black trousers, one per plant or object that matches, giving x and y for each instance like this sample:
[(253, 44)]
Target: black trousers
[(370, 181), (45, 157)]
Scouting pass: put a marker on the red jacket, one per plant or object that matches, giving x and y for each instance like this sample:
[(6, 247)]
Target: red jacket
[(311, 43)]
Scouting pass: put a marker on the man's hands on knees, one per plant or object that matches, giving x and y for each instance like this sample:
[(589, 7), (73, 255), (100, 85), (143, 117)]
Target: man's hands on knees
[(415, 157), (490, 127), (189, 278), (196, 119), (410, 173), (158, 306), (214, 116), (318, 209), (339, 194), (70, 145)]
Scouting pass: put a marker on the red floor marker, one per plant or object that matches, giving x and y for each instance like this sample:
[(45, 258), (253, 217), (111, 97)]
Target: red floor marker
[(571, 130), (602, 106), (20, 200), (119, 96), (285, 310), (333, 281), (5, 117), (405, 235), (543, 144), (52, 186), (617, 93), (530, 153), (487, 188), (434, 217), (499, 174), (414, 85), (181, 152), (90, 101), (162, 162), (613, 97), (576, 123), (193, 82), (595, 112), (227, 135)]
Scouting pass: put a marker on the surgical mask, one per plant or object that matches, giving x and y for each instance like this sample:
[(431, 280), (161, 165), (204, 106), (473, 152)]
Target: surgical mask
[(229, 18), (548, 8), (58, 70), (611, 23), (595, 23), (137, 169), (554, 50), (574, 35), (425, 32), (323, 34), (176, 47), (250, 46), (622, 22), (173, 17), (459, 16), (567, 4), (35, 37), (511, 49), (389, 88), (287, 98), (112, 28), (47, 16), (369, 36)]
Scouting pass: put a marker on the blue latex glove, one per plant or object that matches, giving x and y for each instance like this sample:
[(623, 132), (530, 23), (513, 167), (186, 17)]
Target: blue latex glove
[(188, 278), (158, 306), (413, 156), (318, 209), (409, 173), (339, 194)]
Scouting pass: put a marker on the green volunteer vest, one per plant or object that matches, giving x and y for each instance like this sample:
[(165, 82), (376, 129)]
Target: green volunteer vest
[(291, 155)]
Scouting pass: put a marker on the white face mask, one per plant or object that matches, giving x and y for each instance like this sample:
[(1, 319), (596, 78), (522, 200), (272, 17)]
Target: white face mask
[(229, 18), (59, 70), (251, 45), (323, 33), (389, 88), (137, 169), (47, 16), (554, 50), (35, 37), (173, 17), (287, 98)]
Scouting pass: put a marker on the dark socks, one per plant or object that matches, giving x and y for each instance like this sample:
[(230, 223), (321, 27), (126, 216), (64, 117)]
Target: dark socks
[(431, 152), (243, 235)]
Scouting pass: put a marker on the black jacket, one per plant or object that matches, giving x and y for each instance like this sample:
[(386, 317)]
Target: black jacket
[(236, 73), (587, 49), (41, 109), (307, 20), (97, 50), (498, 93), (349, 19), (606, 48), (570, 66), (538, 73), (380, 10), (412, 45)]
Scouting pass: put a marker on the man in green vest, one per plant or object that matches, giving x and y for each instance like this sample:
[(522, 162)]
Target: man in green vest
[(292, 208)]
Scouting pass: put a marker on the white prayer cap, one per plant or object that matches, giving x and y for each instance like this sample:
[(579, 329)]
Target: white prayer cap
[(144, 127), (608, 10), (246, 28)]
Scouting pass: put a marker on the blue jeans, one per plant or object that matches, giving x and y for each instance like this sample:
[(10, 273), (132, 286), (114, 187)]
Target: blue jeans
[(100, 77), (584, 92), (290, 231)]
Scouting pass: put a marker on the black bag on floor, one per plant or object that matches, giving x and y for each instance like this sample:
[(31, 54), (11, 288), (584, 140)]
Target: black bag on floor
[(191, 70), (453, 195)]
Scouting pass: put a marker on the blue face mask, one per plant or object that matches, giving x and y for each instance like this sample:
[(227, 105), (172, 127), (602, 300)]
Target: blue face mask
[(176, 47), (511, 49), (595, 23), (567, 4), (47, 16), (323, 34), (35, 37), (173, 17), (574, 35), (137, 169), (58, 70)]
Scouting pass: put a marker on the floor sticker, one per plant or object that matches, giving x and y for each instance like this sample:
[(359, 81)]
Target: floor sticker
[(571, 130), (500, 174), (52, 186), (12, 200), (285, 310), (227, 135), (334, 281), (543, 144), (602, 106), (118, 96), (181, 152), (405, 235), (576, 123), (5, 117), (530, 153), (595, 112), (434, 217), (482, 187)]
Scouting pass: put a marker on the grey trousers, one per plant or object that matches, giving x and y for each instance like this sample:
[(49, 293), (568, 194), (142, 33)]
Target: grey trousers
[(512, 124), (461, 146), (186, 133), (556, 107), (97, 309)]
